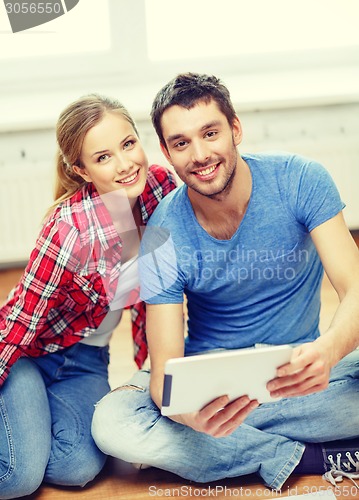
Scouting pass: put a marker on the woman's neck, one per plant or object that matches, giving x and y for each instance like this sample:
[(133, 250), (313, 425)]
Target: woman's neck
[(125, 212), (126, 217)]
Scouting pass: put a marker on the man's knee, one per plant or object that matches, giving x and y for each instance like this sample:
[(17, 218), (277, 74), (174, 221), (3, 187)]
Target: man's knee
[(114, 427), (109, 421)]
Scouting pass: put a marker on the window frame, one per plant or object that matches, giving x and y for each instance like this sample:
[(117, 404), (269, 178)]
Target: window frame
[(127, 64), (63, 69)]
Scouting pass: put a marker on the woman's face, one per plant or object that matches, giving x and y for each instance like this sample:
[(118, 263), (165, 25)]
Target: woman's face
[(112, 157)]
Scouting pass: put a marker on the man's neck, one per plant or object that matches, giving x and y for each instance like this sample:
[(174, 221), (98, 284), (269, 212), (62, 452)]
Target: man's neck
[(221, 216)]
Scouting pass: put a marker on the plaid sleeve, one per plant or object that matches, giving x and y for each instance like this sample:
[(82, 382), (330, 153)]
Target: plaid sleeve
[(49, 269), (160, 182)]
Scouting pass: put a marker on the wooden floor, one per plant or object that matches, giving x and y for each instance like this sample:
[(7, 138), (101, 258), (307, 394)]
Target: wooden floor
[(121, 480)]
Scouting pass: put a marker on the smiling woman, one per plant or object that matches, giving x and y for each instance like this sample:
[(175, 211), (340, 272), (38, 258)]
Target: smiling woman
[(112, 157), (81, 274)]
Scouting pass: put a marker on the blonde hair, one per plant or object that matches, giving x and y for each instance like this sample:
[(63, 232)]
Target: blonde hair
[(72, 126)]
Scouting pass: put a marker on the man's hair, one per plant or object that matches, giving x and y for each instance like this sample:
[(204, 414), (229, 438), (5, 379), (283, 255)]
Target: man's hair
[(186, 90)]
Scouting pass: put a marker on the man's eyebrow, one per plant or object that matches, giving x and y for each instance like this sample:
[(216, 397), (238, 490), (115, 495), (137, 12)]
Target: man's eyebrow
[(206, 126), (174, 137), (215, 123)]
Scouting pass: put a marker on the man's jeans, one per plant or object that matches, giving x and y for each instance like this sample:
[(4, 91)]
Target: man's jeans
[(46, 408), (128, 425)]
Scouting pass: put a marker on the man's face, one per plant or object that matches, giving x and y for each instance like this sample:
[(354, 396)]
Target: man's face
[(201, 146)]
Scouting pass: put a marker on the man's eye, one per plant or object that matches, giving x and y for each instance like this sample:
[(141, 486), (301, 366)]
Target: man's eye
[(180, 144), (211, 133)]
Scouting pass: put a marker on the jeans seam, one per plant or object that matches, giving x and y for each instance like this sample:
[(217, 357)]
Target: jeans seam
[(7, 426), (288, 467), (78, 420)]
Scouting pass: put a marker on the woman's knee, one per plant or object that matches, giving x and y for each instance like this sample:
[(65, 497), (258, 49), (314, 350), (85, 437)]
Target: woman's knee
[(75, 464), (77, 468), (24, 420), (18, 482)]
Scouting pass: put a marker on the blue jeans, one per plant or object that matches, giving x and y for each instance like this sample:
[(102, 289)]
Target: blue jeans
[(46, 408), (127, 424)]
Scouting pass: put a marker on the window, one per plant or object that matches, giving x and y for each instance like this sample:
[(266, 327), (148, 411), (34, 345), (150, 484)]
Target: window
[(243, 33), (86, 28), (75, 46), (208, 28), (136, 45)]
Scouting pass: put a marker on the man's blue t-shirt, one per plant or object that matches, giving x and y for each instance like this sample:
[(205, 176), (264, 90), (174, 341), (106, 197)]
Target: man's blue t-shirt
[(262, 285)]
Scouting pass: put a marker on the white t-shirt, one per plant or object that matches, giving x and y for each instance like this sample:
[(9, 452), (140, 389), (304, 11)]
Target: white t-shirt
[(127, 282)]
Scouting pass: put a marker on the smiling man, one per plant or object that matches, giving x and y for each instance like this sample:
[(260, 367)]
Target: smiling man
[(251, 235)]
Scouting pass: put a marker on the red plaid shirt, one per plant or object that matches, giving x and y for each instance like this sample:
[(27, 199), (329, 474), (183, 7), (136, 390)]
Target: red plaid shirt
[(72, 276)]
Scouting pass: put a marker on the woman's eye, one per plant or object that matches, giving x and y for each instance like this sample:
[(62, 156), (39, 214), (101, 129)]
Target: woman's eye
[(102, 158), (128, 144)]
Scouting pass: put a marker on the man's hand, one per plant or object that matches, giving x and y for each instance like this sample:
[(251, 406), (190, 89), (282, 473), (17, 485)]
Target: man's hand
[(219, 418), (307, 372)]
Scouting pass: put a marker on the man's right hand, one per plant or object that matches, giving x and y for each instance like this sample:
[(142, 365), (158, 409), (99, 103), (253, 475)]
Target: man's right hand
[(220, 417)]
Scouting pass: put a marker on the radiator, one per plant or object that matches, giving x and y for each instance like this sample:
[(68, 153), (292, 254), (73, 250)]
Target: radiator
[(26, 192)]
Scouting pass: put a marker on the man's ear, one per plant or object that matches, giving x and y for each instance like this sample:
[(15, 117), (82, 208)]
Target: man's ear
[(237, 131), (166, 153), (82, 173)]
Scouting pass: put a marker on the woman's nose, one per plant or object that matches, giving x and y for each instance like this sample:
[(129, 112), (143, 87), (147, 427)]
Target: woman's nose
[(123, 164)]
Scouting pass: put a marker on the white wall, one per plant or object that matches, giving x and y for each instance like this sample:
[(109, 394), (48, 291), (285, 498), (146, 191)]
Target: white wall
[(328, 134)]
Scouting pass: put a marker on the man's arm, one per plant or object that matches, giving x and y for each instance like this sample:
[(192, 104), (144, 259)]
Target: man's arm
[(165, 335), (311, 363)]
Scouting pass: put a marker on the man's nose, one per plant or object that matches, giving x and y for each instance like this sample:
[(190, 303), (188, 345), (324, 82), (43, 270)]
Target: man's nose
[(200, 152)]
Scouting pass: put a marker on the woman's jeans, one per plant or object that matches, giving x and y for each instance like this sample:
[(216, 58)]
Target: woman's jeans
[(128, 425), (46, 408)]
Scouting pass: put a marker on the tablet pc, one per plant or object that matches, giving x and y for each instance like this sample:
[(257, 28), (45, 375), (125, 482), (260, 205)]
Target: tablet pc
[(191, 382)]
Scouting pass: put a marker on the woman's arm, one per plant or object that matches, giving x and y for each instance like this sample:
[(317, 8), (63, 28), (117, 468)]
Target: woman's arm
[(24, 314)]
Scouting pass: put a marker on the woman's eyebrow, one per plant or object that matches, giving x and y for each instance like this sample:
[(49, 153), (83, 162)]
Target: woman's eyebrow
[(100, 152), (106, 150)]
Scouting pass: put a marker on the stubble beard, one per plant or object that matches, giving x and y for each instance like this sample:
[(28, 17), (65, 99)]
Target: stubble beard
[(226, 188)]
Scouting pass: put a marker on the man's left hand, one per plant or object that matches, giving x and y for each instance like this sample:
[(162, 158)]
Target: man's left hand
[(307, 372)]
